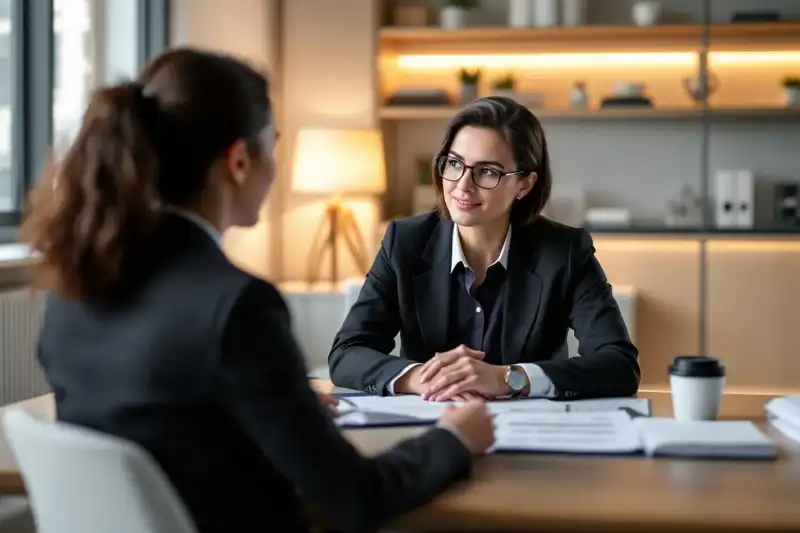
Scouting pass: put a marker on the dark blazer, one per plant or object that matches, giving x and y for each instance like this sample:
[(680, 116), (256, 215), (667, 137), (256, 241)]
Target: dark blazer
[(198, 366), (554, 283)]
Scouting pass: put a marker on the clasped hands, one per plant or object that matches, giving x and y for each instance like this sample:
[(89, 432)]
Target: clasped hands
[(458, 375)]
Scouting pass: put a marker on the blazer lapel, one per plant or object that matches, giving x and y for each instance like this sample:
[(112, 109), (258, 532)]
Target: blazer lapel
[(523, 294), (432, 288)]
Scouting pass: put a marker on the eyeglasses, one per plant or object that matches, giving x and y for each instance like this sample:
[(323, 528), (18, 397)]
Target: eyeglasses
[(453, 169)]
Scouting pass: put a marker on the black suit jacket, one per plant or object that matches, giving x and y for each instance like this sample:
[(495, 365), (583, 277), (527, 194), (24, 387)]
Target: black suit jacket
[(554, 282), (197, 364)]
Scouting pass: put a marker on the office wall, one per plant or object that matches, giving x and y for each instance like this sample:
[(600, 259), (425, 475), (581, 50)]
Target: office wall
[(329, 79), (250, 29)]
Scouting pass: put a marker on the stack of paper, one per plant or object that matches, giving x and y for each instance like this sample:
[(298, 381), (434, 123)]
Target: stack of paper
[(374, 411), (784, 414)]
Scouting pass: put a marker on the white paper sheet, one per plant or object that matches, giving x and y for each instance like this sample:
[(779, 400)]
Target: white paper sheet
[(566, 432), (411, 405)]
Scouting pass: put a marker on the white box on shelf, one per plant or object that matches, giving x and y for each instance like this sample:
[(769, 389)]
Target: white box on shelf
[(726, 199), (745, 194)]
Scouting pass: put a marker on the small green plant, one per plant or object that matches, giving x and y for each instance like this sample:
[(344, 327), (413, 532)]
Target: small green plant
[(507, 82), (470, 77), (462, 4), (793, 82)]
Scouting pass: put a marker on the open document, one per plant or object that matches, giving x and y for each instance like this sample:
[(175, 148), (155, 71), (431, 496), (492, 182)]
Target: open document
[(618, 433), (377, 411), (567, 433)]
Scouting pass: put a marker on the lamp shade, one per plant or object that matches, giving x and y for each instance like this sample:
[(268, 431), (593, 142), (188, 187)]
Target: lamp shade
[(329, 160)]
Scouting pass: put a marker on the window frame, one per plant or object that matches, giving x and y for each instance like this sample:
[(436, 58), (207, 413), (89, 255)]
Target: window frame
[(32, 96), (33, 68)]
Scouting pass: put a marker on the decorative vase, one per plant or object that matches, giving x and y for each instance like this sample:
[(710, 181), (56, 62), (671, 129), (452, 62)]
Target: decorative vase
[(520, 13), (578, 97), (469, 92), (545, 13), (573, 12), (452, 18), (791, 95)]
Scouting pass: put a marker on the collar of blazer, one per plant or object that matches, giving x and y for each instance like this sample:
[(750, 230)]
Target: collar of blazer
[(522, 295)]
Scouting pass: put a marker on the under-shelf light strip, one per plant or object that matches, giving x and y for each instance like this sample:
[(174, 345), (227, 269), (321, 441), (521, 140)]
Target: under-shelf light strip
[(594, 60)]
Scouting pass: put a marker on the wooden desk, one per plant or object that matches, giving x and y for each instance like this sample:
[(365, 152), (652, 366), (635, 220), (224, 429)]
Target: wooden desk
[(515, 493)]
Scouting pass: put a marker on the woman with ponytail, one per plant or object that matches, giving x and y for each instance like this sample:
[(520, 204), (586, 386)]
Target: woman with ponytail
[(152, 335)]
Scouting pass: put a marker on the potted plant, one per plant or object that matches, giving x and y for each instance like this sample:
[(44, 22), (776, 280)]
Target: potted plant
[(469, 85), (454, 13), (505, 86), (791, 91)]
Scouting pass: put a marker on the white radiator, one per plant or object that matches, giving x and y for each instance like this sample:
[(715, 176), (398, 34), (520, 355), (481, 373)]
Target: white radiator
[(20, 319)]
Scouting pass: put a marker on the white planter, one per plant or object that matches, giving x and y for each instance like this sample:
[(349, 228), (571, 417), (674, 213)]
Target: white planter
[(520, 13), (573, 12), (545, 13), (646, 13), (469, 92), (791, 96), (452, 18), (578, 97), (508, 93)]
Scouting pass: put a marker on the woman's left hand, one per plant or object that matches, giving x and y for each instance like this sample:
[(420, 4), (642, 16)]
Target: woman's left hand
[(460, 371)]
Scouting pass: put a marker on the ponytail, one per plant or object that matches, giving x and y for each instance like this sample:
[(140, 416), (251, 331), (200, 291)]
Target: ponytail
[(92, 212)]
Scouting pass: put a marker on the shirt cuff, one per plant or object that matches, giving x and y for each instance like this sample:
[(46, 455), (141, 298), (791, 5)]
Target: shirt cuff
[(390, 385), (541, 385)]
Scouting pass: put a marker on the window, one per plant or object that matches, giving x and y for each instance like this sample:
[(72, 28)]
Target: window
[(8, 189), (52, 54), (73, 61)]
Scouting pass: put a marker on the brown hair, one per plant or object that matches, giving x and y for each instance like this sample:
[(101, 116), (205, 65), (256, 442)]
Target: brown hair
[(523, 133), (141, 144)]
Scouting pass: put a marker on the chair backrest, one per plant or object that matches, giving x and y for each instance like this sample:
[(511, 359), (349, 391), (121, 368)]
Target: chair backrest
[(83, 481)]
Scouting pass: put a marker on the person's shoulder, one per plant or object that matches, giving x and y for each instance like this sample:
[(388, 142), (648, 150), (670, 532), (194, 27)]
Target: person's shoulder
[(421, 225), (409, 236), (548, 230), (551, 243)]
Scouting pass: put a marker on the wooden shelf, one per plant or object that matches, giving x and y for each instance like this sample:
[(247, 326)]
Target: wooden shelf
[(398, 113), (740, 36)]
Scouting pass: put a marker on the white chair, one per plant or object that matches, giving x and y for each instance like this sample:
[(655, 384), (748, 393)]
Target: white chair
[(15, 515), (83, 481)]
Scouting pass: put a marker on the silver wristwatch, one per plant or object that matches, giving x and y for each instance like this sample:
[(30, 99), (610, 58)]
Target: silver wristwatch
[(516, 381)]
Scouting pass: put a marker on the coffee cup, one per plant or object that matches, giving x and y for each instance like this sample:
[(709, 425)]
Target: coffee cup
[(696, 385)]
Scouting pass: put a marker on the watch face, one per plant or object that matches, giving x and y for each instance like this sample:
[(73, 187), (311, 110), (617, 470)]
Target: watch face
[(516, 380)]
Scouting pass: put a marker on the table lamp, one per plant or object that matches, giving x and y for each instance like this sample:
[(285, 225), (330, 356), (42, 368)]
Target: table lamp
[(334, 162)]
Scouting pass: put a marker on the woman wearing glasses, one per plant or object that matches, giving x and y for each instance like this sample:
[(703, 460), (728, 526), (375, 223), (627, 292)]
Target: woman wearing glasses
[(484, 289)]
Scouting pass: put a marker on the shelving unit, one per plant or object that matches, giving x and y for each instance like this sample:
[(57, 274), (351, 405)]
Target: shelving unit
[(399, 113), (761, 36)]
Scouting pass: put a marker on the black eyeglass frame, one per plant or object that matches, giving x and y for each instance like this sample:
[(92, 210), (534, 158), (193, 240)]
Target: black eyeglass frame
[(443, 159)]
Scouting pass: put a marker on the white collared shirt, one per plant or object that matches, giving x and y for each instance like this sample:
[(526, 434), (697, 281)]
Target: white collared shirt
[(457, 253), (197, 220), (541, 385)]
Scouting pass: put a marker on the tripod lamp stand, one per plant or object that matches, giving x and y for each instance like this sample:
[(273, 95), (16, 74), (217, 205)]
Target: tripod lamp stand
[(338, 162)]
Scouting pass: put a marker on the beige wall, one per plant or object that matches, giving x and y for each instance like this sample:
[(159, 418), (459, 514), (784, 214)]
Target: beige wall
[(322, 55), (329, 53), (250, 29)]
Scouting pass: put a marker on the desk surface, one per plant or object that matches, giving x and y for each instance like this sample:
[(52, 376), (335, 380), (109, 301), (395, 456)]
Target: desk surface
[(570, 493)]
